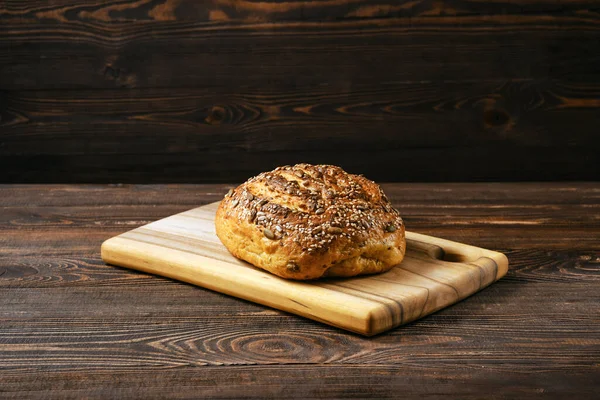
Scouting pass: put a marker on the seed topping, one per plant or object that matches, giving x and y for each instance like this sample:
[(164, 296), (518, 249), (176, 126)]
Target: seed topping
[(327, 207), (292, 266)]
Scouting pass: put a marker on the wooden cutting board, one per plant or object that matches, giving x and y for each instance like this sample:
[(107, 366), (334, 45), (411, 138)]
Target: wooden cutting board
[(434, 274)]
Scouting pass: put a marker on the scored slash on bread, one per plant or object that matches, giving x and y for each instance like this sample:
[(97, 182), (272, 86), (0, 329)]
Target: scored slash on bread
[(310, 221)]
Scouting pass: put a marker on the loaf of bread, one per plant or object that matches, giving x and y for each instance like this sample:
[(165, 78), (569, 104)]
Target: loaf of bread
[(310, 221)]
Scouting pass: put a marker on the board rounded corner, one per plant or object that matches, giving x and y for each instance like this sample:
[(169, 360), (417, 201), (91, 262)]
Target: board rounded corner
[(378, 320), (502, 262), (106, 249)]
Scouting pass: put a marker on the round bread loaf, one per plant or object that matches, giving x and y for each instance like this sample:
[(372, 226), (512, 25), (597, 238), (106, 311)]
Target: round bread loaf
[(310, 221)]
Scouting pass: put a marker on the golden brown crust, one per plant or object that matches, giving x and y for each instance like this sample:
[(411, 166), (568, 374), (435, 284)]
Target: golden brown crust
[(308, 221)]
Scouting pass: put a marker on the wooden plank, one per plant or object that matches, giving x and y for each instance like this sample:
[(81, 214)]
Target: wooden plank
[(99, 136), (157, 43), (370, 117), (302, 382), (111, 12), (511, 130), (404, 165)]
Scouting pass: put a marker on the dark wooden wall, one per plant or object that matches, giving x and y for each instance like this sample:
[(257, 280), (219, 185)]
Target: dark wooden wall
[(217, 90)]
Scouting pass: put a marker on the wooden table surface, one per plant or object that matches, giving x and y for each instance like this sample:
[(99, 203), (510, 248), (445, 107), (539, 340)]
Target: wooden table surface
[(72, 327)]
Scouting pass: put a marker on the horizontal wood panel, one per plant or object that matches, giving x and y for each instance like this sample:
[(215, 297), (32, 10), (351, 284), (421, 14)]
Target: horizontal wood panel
[(290, 381), (369, 117), (395, 132), (108, 13), (456, 164), (152, 43), (323, 58)]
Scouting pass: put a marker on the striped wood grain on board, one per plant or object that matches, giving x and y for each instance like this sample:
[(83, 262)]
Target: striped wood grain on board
[(434, 274)]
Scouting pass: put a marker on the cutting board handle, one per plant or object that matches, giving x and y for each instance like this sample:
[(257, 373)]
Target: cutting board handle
[(446, 250)]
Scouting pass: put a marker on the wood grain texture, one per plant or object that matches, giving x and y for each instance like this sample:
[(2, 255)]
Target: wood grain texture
[(165, 90), (434, 274), (412, 165), (336, 381), (511, 130), (520, 113), (72, 327), (159, 43)]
